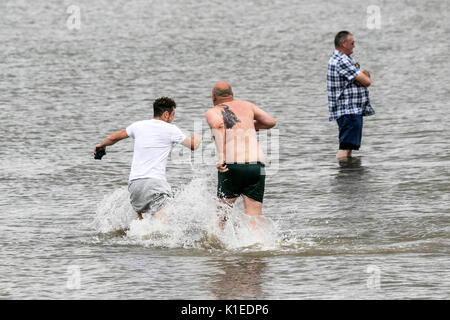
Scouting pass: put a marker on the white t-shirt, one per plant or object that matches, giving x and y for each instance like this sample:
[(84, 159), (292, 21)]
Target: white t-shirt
[(153, 142)]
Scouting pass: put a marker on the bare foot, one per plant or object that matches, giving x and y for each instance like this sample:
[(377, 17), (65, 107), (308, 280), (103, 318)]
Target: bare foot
[(344, 155)]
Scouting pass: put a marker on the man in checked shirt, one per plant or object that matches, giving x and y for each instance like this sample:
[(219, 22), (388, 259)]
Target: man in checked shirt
[(348, 96)]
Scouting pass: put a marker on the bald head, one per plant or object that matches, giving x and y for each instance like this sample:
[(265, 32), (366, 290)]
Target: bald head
[(222, 89), (222, 93)]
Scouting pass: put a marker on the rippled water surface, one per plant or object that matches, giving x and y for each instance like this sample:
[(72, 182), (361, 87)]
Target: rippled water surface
[(377, 228)]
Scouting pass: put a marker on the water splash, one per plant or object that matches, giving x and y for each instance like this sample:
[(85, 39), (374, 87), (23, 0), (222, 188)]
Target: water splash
[(190, 221), (114, 213)]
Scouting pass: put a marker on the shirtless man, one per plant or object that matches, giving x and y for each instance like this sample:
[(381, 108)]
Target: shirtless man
[(241, 161)]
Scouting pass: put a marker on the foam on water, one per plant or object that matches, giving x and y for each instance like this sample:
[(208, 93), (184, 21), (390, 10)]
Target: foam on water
[(191, 222)]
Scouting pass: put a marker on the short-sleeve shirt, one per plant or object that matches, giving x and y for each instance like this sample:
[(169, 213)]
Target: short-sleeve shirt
[(344, 96), (153, 143)]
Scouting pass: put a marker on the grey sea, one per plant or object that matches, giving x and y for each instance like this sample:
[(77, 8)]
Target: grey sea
[(72, 72)]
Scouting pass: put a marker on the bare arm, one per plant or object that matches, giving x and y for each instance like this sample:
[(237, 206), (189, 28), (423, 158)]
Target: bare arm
[(218, 133), (192, 142), (112, 139), (363, 79), (262, 119)]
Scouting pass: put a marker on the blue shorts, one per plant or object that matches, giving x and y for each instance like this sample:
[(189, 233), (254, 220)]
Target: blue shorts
[(350, 131)]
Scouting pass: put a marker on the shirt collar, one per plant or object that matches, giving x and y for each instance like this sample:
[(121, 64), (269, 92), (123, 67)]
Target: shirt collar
[(339, 53)]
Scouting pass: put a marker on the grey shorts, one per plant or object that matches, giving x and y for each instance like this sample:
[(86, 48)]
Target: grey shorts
[(149, 194)]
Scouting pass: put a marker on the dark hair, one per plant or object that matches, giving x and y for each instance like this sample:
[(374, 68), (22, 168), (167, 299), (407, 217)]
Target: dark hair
[(163, 104), (340, 37)]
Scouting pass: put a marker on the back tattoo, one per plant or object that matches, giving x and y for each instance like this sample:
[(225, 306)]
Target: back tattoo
[(229, 118)]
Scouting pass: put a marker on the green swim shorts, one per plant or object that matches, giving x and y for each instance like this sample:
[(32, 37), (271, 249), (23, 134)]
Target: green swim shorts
[(242, 179)]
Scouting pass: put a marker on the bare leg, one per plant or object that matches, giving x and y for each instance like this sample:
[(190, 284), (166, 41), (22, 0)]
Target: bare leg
[(253, 208), (157, 215), (221, 211), (160, 215)]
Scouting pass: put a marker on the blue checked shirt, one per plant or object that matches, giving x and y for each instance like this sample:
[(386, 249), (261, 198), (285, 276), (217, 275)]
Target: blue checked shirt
[(344, 96)]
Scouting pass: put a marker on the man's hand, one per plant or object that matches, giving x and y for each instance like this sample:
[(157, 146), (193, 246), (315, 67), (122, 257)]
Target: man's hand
[(367, 73), (99, 152), (222, 167), (363, 79), (98, 146)]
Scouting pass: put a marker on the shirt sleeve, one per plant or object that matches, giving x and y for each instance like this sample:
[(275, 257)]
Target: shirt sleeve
[(177, 135), (347, 69), (130, 131)]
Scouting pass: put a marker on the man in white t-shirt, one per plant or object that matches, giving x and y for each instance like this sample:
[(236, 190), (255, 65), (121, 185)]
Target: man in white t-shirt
[(154, 139)]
